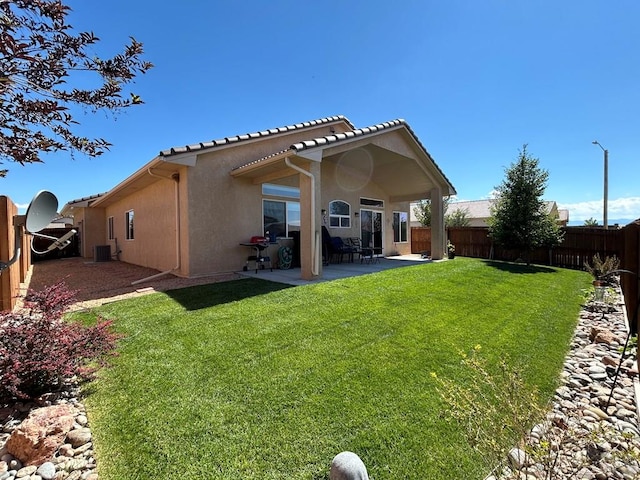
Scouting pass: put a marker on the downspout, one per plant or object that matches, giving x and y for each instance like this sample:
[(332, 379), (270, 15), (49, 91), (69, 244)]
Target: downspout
[(176, 178), (315, 238)]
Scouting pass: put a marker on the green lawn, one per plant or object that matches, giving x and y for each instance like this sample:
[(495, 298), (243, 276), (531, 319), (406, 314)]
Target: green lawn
[(255, 380)]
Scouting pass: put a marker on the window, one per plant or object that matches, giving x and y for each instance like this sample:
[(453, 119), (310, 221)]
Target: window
[(110, 228), (280, 218), (400, 222), (280, 190), (129, 224), (339, 214), (371, 202)]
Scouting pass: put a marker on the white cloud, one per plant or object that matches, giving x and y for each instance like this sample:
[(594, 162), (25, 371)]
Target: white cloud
[(620, 208), (491, 195)]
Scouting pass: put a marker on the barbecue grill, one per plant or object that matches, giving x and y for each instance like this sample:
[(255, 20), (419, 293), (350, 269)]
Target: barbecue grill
[(260, 261)]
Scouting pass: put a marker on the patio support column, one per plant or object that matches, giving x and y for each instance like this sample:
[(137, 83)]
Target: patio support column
[(309, 223), (437, 224)]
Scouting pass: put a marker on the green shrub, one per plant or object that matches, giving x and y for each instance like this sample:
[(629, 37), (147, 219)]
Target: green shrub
[(599, 268)]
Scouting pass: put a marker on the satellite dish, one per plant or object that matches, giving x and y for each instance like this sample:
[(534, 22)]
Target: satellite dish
[(42, 209)]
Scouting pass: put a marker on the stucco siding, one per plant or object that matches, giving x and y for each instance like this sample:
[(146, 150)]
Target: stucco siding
[(91, 229), (154, 232)]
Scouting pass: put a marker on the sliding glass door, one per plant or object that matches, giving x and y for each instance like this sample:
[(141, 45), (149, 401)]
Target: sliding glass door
[(371, 229)]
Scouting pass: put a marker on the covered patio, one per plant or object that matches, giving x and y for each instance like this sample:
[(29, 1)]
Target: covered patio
[(335, 271), (388, 156)]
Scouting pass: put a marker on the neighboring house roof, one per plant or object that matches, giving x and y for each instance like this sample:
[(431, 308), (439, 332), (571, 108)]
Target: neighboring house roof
[(482, 208), (474, 208), (563, 215)]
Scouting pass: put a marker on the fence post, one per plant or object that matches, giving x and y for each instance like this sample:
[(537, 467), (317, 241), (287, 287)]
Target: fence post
[(631, 261)]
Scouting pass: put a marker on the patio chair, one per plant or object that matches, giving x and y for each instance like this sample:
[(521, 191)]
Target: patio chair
[(356, 246), (338, 248)]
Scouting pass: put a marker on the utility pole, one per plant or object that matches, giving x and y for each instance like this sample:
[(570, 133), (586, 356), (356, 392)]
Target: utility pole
[(606, 184)]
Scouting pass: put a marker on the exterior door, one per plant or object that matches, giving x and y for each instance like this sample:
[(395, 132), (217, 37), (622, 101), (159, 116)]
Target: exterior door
[(371, 229)]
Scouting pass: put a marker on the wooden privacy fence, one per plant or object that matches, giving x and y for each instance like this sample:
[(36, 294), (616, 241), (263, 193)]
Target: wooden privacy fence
[(580, 244), (13, 276)]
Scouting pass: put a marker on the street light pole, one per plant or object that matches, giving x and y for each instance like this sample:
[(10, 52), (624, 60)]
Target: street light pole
[(606, 183)]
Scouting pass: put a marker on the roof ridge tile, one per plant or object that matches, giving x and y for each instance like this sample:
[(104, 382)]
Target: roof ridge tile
[(248, 136)]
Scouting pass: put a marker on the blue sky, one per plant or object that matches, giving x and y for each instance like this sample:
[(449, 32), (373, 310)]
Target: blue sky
[(475, 80)]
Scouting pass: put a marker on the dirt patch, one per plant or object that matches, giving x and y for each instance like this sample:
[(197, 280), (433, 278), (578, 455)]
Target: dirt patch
[(101, 282)]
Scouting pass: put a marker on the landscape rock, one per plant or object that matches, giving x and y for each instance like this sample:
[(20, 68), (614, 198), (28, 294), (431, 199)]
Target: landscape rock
[(47, 471), (593, 423), (79, 437), (41, 434)]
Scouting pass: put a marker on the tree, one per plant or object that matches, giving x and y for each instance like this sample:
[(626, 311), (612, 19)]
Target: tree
[(591, 222), (422, 210), (38, 53), (519, 218), (458, 218)]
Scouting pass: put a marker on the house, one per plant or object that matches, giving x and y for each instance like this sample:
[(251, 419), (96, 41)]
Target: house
[(189, 209), (478, 212)]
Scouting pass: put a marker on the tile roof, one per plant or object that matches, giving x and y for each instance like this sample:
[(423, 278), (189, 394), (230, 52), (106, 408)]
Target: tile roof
[(339, 137), (254, 135), (85, 199)]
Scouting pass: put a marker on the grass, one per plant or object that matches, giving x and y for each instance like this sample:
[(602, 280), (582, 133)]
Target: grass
[(251, 379)]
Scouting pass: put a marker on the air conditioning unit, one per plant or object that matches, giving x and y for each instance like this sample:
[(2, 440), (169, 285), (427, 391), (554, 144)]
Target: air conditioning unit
[(102, 253)]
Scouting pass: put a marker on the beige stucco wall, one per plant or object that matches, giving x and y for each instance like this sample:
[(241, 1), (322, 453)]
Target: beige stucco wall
[(154, 214), (226, 211), (91, 228)]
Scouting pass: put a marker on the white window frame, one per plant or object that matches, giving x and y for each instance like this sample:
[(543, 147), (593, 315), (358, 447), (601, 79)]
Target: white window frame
[(128, 224), (344, 221)]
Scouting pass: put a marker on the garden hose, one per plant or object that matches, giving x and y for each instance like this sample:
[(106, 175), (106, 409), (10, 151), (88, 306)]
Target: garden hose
[(285, 256)]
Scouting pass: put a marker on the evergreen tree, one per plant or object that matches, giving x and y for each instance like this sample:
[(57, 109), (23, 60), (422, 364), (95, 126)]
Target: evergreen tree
[(519, 218)]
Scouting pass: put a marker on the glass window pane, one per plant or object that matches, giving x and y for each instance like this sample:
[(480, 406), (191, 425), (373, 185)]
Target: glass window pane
[(293, 217), (371, 202), (129, 224), (396, 227), (274, 218), (404, 222), (334, 221), (280, 190), (338, 207), (345, 222)]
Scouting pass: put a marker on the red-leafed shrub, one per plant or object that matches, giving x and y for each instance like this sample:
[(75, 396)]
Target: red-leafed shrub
[(39, 349)]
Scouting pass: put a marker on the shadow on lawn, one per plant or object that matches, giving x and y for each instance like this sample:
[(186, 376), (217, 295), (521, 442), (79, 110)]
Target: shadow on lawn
[(519, 267), (204, 296)]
